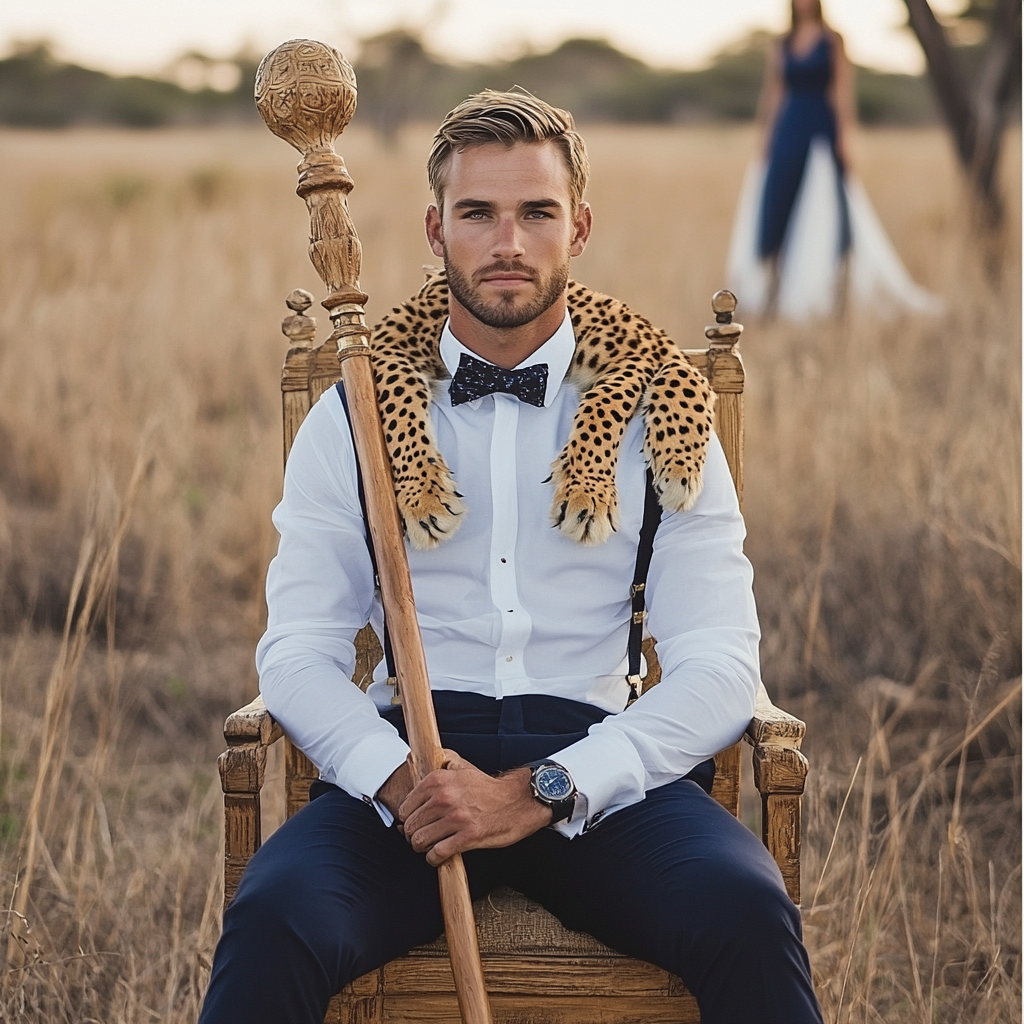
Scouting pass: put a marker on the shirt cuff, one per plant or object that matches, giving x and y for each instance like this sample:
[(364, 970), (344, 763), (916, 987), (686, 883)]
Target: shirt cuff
[(608, 773), (370, 764), (385, 815)]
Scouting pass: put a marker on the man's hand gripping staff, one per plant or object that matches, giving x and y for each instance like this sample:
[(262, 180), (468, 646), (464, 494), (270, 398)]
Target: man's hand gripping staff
[(462, 808)]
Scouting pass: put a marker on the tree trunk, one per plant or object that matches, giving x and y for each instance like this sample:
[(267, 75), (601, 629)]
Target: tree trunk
[(999, 72), (945, 75), (975, 116)]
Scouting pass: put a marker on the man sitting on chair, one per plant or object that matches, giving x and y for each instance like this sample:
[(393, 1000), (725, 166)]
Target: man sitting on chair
[(554, 786)]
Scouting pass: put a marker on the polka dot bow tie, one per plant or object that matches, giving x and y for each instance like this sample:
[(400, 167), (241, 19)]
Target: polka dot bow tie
[(474, 379)]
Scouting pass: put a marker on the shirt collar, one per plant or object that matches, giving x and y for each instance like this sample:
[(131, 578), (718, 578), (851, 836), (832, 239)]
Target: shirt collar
[(557, 352)]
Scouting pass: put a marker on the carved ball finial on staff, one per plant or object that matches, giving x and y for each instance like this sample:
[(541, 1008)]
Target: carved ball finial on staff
[(306, 93)]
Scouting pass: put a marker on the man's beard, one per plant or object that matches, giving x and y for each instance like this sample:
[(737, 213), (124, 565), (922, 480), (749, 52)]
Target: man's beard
[(505, 313)]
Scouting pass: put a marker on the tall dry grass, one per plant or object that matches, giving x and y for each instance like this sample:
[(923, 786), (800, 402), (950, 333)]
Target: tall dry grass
[(141, 280)]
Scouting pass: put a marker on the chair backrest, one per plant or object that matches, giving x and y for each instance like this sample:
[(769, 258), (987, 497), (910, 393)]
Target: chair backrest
[(310, 369)]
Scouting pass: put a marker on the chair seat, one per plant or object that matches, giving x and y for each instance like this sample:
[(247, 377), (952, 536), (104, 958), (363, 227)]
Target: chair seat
[(537, 971), (507, 923)]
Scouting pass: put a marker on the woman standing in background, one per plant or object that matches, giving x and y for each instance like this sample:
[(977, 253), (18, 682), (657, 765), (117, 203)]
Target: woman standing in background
[(805, 231)]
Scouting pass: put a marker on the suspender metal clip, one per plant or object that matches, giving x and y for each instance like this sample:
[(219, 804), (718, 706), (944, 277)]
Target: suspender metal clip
[(636, 687), (396, 697)]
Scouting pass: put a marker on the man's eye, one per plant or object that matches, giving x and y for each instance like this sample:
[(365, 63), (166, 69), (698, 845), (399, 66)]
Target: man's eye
[(539, 215), (474, 215)]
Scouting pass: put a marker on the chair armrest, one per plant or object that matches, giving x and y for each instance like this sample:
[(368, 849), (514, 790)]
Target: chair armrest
[(780, 771), (249, 732), (773, 727), (252, 724)]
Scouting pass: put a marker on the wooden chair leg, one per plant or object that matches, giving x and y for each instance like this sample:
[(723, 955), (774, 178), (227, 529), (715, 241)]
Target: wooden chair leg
[(242, 770), (779, 774)]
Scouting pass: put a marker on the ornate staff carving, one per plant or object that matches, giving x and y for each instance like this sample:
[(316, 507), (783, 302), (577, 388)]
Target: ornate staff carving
[(306, 93)]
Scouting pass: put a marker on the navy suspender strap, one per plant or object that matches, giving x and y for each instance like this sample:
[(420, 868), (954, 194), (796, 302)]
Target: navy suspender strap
[(389, 657), (645, 549), (648, 528)]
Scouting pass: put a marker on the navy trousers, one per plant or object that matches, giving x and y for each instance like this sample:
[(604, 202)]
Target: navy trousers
[(674, 880)]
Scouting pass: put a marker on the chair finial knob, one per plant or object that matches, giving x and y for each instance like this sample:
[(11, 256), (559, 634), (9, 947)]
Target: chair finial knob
[(723, 305), (723, 333), (298, 328), (299, 300)]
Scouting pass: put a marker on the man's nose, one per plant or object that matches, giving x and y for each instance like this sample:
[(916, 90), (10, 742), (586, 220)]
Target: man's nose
[(508, 243)]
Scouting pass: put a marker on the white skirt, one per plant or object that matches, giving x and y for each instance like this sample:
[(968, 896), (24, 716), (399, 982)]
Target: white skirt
[(810, 262)]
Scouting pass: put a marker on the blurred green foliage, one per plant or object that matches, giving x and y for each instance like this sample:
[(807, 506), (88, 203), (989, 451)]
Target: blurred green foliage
[(400, 81), (38, 90)]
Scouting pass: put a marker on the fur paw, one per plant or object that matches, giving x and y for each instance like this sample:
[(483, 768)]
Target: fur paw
[(679, 495), (585, 509), (431, 513), (678, 417)]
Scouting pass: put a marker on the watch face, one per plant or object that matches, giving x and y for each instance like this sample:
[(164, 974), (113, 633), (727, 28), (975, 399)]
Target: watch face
[(553, 783)]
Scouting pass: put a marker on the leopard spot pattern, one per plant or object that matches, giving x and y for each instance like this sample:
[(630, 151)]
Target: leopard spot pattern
[(623, 364)]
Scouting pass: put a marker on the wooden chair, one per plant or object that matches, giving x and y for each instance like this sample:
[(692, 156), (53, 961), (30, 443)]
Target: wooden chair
[(537, 971)]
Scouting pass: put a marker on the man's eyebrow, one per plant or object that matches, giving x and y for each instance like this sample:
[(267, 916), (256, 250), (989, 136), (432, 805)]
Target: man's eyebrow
[(473, 204), (485, 204)]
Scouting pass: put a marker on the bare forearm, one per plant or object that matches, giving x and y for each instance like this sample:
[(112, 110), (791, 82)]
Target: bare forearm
[(768, 108), (844, 102), (770, 98), (398, 786)]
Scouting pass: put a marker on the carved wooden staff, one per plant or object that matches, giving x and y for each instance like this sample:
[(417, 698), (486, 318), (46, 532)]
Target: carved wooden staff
[(306, 92)]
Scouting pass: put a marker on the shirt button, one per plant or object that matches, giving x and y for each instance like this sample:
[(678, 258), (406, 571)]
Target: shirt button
[(509, 658)]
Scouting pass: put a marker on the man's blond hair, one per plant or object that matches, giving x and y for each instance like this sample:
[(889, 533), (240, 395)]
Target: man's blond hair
[(508, 117)]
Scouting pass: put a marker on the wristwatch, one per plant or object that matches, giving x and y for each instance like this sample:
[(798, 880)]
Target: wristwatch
[(552, 785)]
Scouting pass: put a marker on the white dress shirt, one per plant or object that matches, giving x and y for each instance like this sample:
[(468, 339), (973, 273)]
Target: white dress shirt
[(508, 605)]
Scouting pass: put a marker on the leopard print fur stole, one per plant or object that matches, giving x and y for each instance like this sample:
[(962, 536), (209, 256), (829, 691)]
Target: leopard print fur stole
[(623, 364)]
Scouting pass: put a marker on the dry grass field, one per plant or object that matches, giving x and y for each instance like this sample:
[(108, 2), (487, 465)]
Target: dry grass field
[(142, 279)]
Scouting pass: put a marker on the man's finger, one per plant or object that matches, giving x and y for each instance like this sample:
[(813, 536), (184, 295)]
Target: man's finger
[(441, 851), (426, 814), (453, 762), (421, 794), (425, 838)]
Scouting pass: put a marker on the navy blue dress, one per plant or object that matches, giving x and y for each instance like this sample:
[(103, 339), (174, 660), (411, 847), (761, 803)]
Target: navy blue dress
[(805, 114)]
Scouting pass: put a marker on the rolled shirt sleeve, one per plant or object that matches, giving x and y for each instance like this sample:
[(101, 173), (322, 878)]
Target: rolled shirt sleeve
[(320, 593), (701, 610)]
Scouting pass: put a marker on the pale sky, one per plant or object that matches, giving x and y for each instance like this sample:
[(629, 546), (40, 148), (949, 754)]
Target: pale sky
[(144, 35)]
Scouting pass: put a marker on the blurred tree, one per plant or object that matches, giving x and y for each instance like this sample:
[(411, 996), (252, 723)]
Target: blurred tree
[(396, 75), (35, 90), (401, 81), (975, 106), (38, 90)]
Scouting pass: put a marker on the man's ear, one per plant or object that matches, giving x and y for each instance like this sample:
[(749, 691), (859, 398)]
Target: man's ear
[(583, 222), (435, 230)]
